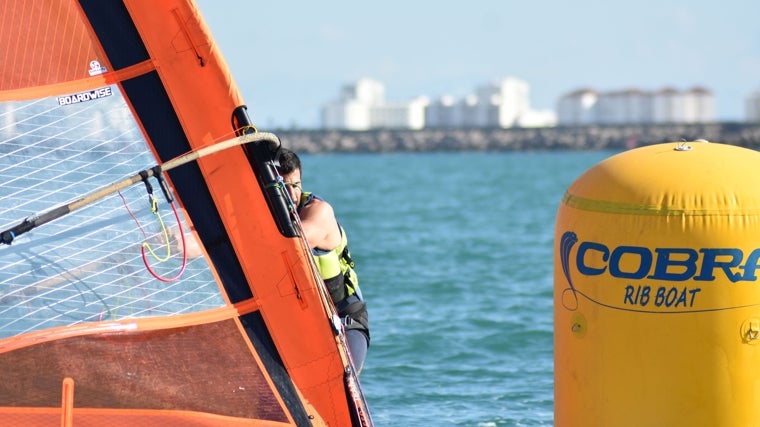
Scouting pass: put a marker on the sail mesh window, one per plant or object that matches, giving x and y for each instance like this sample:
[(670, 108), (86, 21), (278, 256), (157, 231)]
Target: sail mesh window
[(87, 265)]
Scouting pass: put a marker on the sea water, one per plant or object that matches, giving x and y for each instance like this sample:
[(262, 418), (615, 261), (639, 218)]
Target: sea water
[(455, 259)]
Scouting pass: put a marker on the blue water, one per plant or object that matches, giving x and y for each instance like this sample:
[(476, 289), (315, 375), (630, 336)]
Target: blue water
[(454, 254)]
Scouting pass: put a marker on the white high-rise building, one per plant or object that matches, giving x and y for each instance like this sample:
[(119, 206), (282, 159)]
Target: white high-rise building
[(632, 106), (698, 106), (509, 96), (577, 107), (537, 119), (443, 113), (695, 105), (403, 115), (473, 111), (353, 110), (502, 104), (362, 106), (666, 106), (624, 107), (366, 91)]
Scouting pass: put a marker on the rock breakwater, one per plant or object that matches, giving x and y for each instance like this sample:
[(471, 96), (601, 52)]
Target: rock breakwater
[(520, 139)]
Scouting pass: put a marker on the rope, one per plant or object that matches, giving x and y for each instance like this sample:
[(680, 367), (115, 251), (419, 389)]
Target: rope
[(184, 252), (146, 245), (164, 230)]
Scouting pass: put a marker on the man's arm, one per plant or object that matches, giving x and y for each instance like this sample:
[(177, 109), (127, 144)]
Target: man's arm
[(319, 225)]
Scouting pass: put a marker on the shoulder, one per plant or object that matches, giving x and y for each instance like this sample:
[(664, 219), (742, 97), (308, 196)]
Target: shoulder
[(317, 207), (320, 225)]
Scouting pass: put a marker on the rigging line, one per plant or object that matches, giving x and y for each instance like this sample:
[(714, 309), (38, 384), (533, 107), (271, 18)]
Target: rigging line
[(154, 209), (184, 253), (124, 200), (153, 202), (164, 232), (34, 221)]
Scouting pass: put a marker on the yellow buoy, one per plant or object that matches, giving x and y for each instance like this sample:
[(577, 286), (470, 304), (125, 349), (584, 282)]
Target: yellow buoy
[(656, 296)]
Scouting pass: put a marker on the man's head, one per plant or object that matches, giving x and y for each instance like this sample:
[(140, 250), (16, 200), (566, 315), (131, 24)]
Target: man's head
[(289, 162), (290, 169)]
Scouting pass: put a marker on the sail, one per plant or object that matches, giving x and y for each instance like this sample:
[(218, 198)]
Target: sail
[(152, 271)]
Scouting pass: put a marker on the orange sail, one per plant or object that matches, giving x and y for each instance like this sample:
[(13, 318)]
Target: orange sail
[(152, 271)]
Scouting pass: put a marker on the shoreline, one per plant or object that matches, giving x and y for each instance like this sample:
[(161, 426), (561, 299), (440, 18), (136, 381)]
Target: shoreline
[(592, 137)]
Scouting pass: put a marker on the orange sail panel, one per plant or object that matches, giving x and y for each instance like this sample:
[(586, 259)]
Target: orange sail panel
[(185, 296), (55, 48)]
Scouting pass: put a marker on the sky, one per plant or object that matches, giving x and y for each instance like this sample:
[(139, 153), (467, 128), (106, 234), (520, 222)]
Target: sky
[(289, 58)]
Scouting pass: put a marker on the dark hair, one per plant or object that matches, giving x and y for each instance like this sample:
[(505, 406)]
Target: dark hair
[(289, 162)]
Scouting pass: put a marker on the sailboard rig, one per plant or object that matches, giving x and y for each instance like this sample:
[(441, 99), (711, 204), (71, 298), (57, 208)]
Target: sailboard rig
[(124, 144)]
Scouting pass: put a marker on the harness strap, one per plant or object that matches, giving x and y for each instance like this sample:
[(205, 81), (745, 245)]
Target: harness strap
[(347, 302), (346, 255)]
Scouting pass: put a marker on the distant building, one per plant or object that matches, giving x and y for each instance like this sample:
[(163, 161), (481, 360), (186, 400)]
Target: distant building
[(578, 107), (442, 113), (753, 107), (504, 104), (628, 106), (509, 97), (479, 112), (537, 119), (632, 106), (353, 109), (698, 106), (362, 106), (399, 115)]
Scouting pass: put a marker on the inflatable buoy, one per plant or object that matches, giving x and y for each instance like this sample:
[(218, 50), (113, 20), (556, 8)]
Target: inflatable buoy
[(656, 296)]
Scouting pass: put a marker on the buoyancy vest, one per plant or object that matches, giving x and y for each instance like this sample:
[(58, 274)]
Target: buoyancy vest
[(337, 270)]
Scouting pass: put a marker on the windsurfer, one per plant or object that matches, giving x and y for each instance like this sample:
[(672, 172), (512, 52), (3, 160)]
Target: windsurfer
[(329, 245)]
